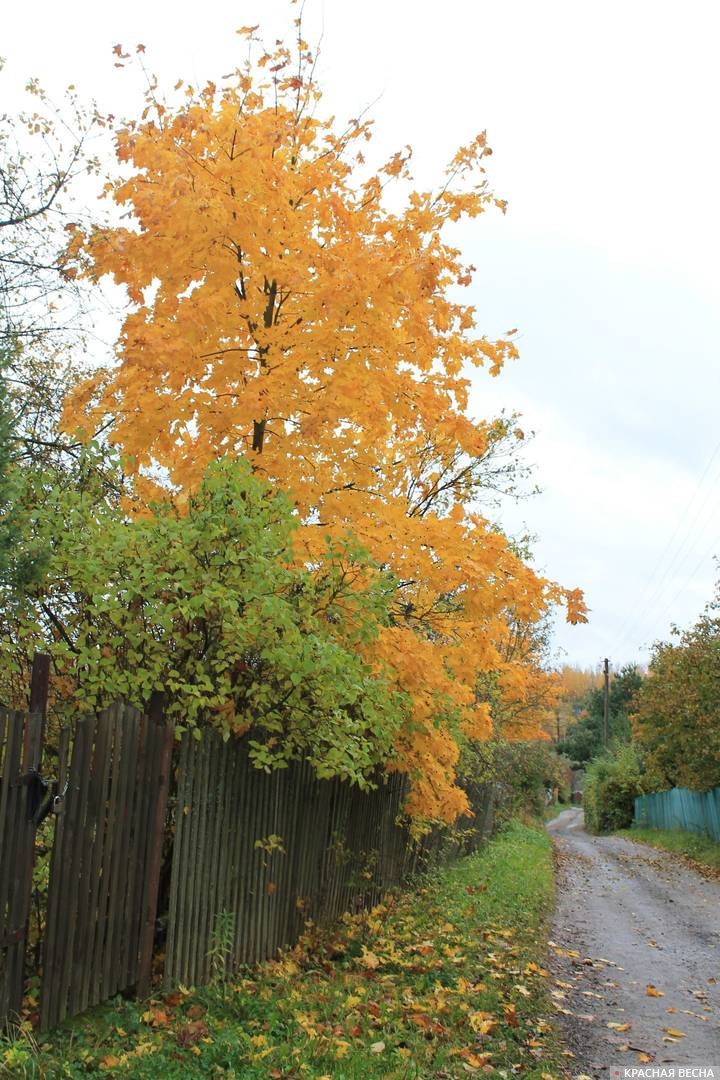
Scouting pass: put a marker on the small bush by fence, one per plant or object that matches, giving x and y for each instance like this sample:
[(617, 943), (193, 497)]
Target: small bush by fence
[(692, 811), (189, 842)]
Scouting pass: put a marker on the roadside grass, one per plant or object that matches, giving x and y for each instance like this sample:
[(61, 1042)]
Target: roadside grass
[(443, 981), (696, 848)]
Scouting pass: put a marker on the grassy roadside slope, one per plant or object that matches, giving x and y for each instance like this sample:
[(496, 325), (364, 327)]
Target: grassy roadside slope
[(446, 981), (697, 849)]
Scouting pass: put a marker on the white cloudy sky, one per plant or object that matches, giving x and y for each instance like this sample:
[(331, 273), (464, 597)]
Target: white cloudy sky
[(603, 119)]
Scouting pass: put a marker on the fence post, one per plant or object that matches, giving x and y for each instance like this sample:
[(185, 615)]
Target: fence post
[(39, 686), (155, 846)]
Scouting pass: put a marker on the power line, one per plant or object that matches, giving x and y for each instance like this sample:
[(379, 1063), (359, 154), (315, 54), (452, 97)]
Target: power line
[(714, 544), (634, 619)]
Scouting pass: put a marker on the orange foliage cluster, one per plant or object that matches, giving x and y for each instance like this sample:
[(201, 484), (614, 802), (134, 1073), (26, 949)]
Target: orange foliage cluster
[(282, 311)]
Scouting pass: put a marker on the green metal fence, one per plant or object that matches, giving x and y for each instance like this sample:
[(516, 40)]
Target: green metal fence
[(680, 808)]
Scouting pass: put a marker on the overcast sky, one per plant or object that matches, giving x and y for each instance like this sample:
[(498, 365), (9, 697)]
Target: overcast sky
[(603, 120)]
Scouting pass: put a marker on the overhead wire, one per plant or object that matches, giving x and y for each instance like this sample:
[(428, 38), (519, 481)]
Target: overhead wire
[(635, 618)]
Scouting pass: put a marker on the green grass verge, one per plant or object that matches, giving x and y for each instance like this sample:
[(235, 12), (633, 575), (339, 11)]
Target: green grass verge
[(695, 847), (446, 980)]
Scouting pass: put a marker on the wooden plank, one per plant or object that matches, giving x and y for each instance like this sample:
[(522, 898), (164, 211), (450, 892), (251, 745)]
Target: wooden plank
[(98, 981), (163, 734), (12, 826), (264, 900), (212, 825), (74, 937), (122, 770), (173, 972), (198, 946), (187, 868), (4, 787), (218, 851), (294, 829), (34, 729), (229, 862), (251, 855), (8, 814), (263, 829), (241, 852), (84, 841), (39, 688), (193, 868), (121, 846), (98, 814), (61, 892), (6, 737), (84, 885), (51, 972), (137, 843), (201, 897)]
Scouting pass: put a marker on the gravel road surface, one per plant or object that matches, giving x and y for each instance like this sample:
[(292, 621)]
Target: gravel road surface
[(632, 923)]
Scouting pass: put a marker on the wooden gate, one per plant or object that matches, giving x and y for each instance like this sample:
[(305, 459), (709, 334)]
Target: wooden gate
[(105, 862)]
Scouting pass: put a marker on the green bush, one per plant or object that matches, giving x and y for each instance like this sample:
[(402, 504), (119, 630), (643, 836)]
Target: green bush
[(611, 784)]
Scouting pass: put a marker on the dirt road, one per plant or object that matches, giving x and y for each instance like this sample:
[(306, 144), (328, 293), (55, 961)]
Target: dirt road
[(628, 918)]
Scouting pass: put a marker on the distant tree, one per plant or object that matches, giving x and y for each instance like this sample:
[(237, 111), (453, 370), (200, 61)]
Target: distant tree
[(584, 739), (676, 717), (575, 684), (44, 153)]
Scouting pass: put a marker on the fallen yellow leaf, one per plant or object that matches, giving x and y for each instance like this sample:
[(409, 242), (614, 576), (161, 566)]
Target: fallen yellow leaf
[(620, 1027), (674, 1034), (652, 991), (369, 959), (476, 1061), (483, 1023)]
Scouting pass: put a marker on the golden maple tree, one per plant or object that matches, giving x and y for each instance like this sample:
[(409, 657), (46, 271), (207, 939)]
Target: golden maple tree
[(280, 309)]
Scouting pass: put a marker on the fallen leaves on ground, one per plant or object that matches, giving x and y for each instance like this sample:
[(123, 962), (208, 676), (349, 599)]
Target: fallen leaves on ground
[(447, 980)]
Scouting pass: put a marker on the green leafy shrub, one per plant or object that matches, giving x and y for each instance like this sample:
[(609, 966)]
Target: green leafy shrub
[(612, 782), (210, 602)]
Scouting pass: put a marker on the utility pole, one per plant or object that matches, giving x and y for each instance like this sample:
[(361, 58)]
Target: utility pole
[(606, 703)]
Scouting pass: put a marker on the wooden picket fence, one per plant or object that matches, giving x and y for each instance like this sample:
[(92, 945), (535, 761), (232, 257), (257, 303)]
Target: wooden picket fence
[(186, 843), (263, 853)]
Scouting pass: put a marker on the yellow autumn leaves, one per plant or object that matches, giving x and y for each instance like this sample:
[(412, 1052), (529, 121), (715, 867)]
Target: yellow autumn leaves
[(279, 310)]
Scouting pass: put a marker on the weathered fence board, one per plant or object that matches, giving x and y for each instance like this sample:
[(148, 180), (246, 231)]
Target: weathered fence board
[(98, 897), (20, 747), (680, 808)]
